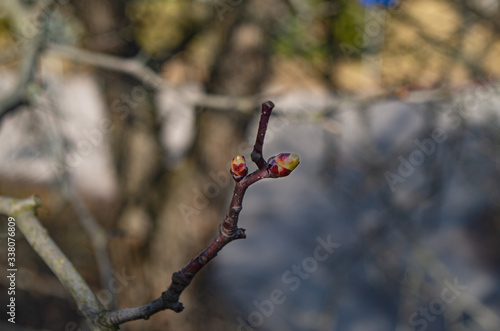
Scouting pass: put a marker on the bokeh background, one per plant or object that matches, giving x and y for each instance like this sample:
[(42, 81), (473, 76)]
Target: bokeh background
[(124, 115)]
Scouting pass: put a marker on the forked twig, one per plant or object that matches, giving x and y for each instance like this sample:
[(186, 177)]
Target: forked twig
[(228, 229)]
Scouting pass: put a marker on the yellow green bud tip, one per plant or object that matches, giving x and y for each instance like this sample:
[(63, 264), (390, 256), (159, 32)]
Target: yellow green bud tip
[(288, 161), (238, 168), (283, 164)]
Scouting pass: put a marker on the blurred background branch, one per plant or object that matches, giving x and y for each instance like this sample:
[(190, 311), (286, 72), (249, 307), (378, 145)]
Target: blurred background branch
[(24, 213), (21, 94)]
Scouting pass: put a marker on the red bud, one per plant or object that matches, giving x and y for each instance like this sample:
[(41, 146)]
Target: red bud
[(238, 168), (282, 164)]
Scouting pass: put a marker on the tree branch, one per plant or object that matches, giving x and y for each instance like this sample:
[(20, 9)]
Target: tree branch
[(19, 95), (24, 213), (131, 66), (265, 114), (228, 231)]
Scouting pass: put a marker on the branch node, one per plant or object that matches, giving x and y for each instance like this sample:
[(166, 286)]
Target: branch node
[(255, 156), (180, 278), (240, 234), (175, 306), (228, 233), (202, 260), (172, 302), (37, 201), (236, 209)]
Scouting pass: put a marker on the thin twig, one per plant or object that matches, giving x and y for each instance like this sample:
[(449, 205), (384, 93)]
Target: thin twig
[(131, 66), (228, 231), (265, 114), (19, 95)]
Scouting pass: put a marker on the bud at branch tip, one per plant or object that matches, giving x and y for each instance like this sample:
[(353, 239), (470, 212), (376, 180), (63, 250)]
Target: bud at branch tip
[(239, 168), (282, 164)]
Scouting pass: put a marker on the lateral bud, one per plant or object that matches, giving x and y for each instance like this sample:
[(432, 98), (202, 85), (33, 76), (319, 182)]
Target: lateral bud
[(282, 164), (239, 168)]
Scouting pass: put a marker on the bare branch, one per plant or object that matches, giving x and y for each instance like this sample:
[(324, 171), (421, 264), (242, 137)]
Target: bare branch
[(228, 231), (132, 66), (257, 156), (19, 95), (24, 213)]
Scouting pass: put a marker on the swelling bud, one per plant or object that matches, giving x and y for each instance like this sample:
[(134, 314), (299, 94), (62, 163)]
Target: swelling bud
[(282, 164), (239, 168)]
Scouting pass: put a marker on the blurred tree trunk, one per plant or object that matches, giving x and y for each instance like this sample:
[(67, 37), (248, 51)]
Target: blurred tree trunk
[(168, 216)]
